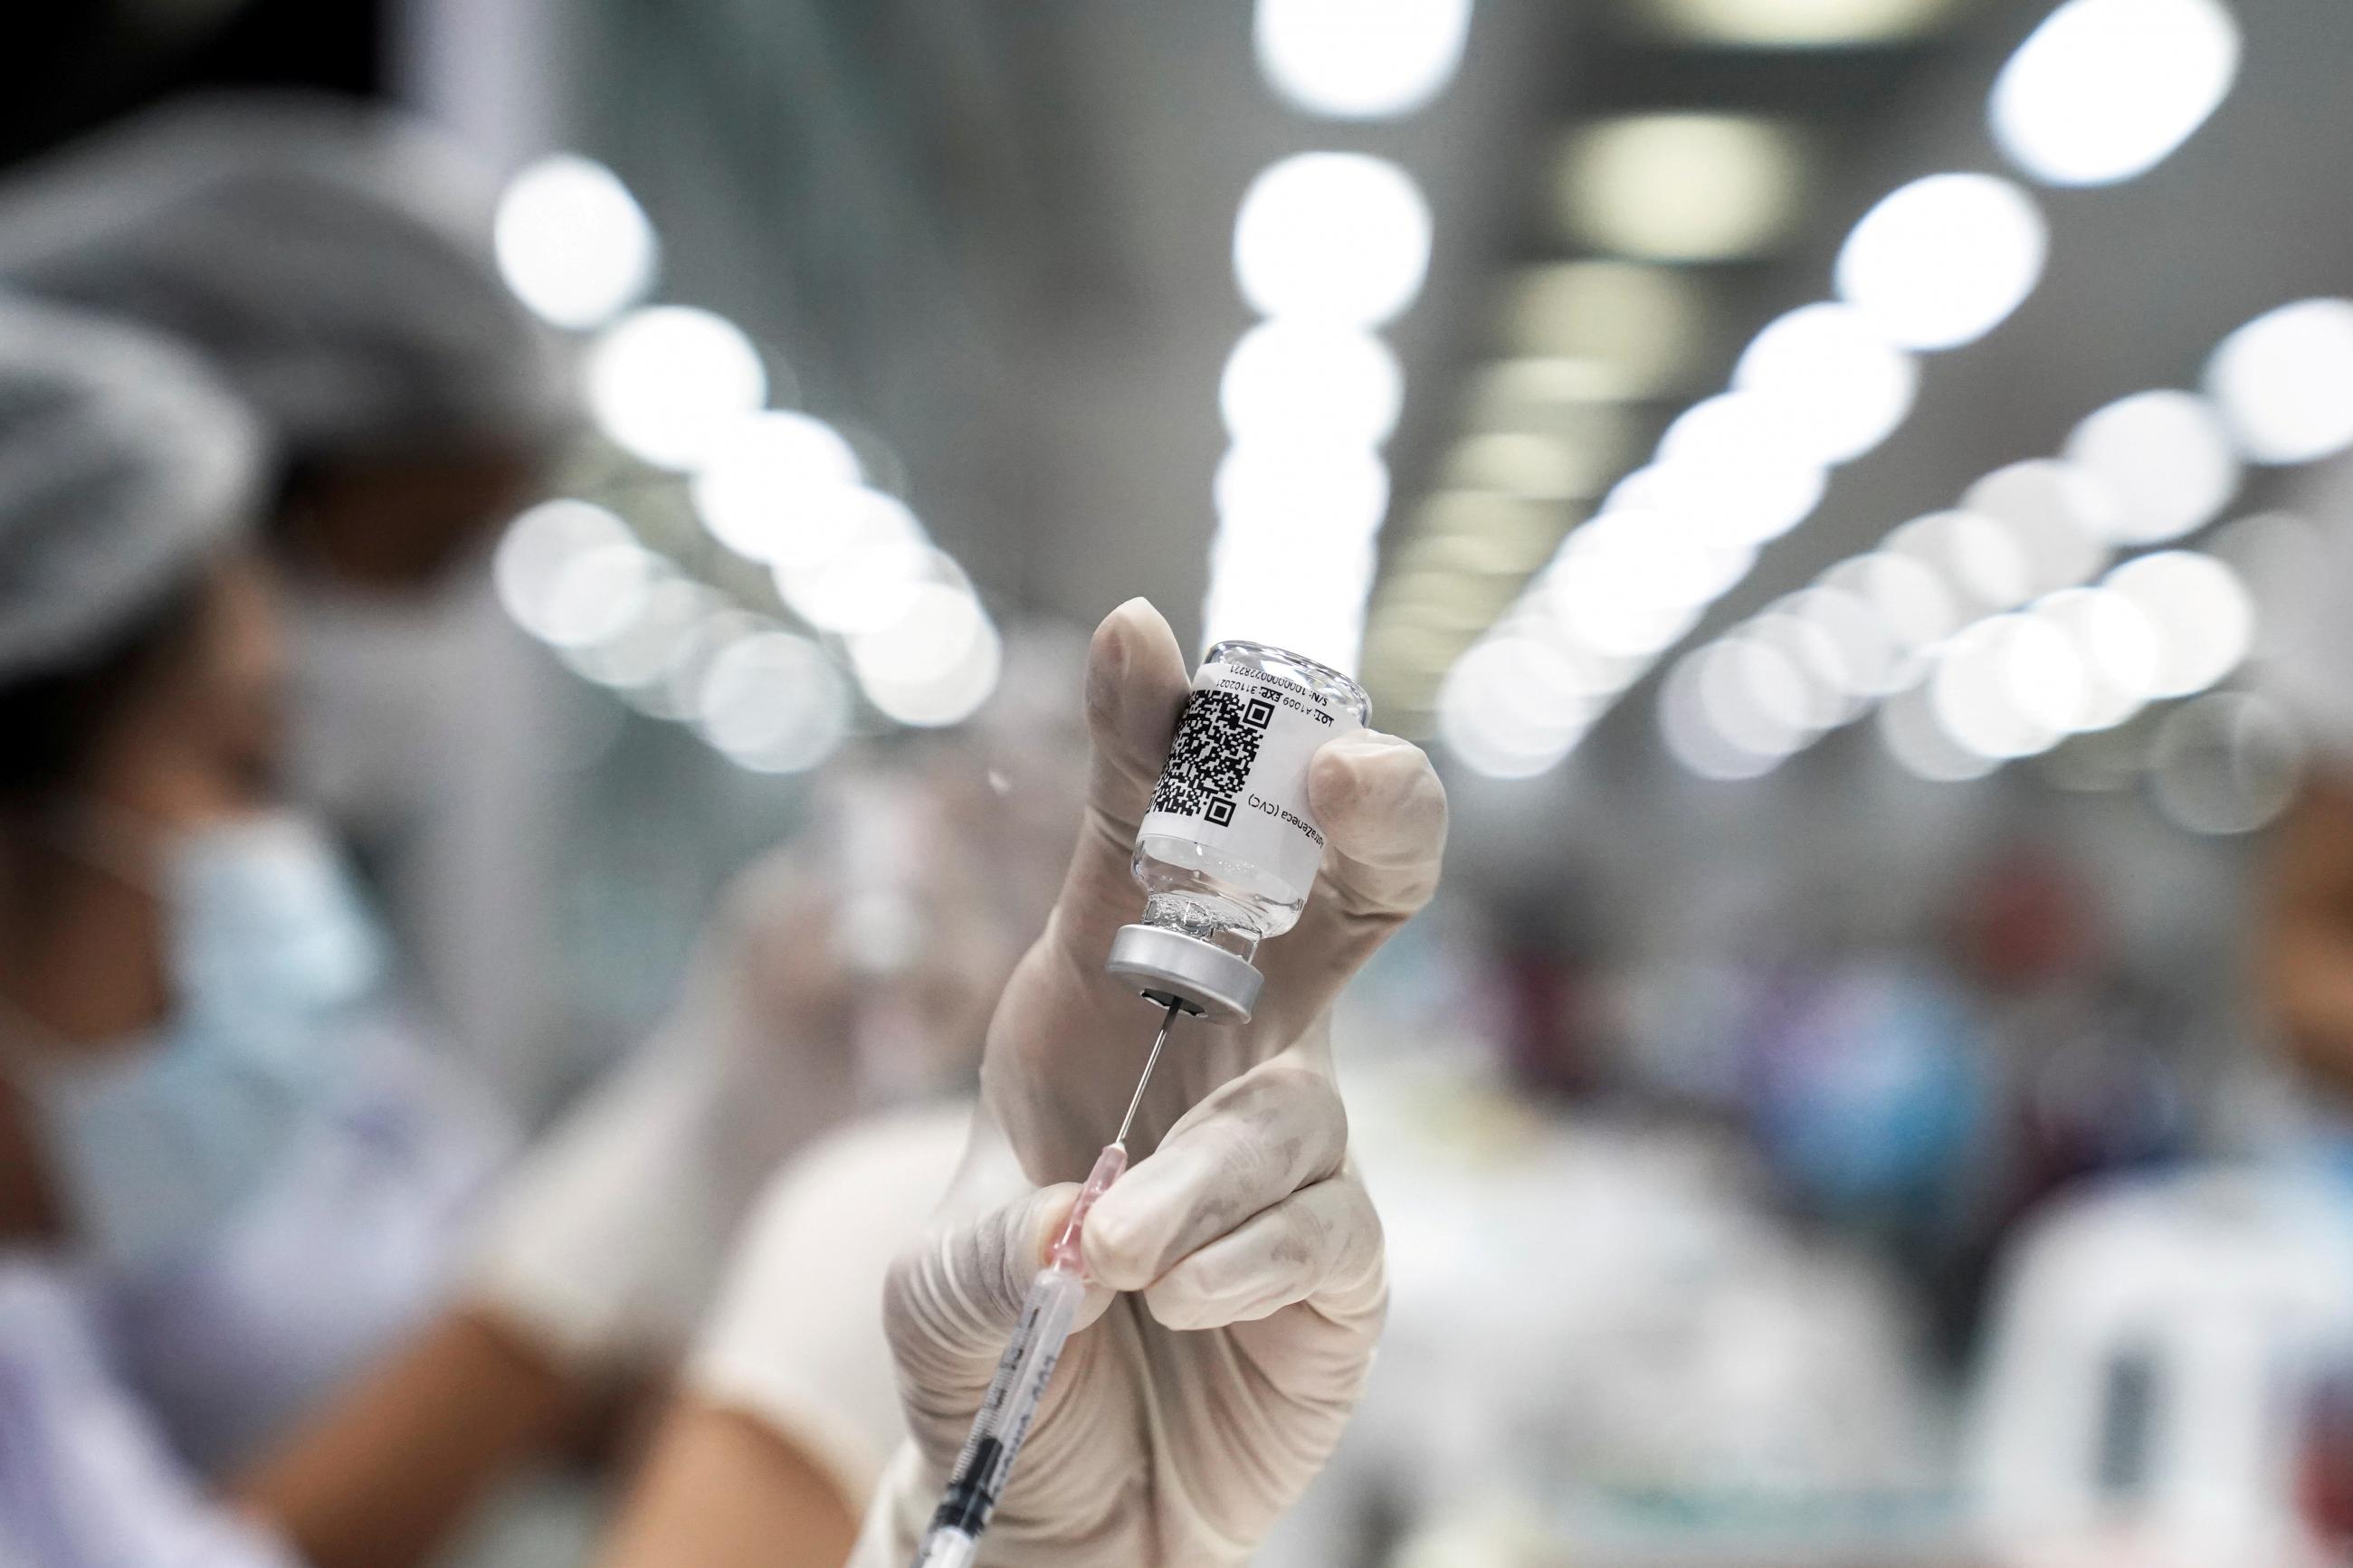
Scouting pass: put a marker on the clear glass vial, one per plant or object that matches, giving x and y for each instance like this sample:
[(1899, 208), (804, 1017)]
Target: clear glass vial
[(1228, 851)]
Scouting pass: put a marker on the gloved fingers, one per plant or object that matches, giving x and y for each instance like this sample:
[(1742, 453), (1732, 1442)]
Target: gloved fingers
[(1384, 816), (1323, 1241), (1136, 685), (1250, 1144), (952, 1299)]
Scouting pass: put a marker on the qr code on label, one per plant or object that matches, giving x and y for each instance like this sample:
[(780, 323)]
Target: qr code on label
[(1217, 741)]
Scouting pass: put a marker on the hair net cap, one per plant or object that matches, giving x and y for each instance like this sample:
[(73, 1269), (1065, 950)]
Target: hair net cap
[(122, 465), (333, 259)]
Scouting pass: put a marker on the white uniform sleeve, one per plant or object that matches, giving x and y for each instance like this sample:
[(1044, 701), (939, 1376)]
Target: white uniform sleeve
[(86, 1480), (795, 1341)]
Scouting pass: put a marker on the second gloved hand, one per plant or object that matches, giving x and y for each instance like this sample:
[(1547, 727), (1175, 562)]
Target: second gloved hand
[(1194, 1403)]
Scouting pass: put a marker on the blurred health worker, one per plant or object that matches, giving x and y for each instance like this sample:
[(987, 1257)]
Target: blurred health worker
[(332, 263), (266, 1287)]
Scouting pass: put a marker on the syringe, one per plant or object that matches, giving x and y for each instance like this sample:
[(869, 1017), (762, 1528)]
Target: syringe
[(1020, 1387)]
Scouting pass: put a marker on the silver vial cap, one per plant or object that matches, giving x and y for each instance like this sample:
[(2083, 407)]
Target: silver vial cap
[(1197, 975)]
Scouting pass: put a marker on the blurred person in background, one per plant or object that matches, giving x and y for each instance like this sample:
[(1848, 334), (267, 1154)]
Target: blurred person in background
[(1603, 1316), (264, 1288), (332, 263), (233, 1171)]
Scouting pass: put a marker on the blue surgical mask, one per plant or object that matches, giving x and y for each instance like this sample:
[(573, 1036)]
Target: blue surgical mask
[(158, 1141)]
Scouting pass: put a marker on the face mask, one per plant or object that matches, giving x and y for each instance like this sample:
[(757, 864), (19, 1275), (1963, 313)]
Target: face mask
[(161, 1140)]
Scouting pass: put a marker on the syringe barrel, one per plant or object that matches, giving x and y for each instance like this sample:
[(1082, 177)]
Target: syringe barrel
[(1002, 1424)]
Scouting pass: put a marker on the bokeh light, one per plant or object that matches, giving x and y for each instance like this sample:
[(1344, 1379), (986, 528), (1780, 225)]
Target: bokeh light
[(1870, 654), (597, 593), (871, 583), (1829, 380), (1485, 717), (1730, 494), (2007, 686), (1360, 59), (2284, 382), (1304, 380), (936, 663), (573, 243), (769, 475), (2227, 762), (1632, 330), (1909, 729), (1944, 260), (640, 653), (2117, 645), (536, 550), (1682, 186), (1688, 725), (1980, 557), (1317, 498), (669, 382), (2057, 515), (1797, 24), (2203, 617), (2104, 89), (2166, 459), (1333, 236), (773, 702), (1907, 596)]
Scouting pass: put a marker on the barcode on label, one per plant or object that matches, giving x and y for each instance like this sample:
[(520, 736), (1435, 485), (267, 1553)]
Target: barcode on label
[(1217, 741)]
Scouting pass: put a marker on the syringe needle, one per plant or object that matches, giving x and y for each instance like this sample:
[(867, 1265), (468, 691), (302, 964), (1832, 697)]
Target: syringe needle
[(1167, 1022)]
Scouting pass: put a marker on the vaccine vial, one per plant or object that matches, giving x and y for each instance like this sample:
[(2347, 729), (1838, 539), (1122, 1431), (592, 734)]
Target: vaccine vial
[(1229, 846)]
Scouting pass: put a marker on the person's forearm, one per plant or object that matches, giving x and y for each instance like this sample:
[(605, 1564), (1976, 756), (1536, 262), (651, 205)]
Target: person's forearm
[(721, 1491), (384, 1475)]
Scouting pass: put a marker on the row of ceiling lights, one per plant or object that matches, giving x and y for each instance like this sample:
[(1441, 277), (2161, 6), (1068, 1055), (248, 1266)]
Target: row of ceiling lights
[(1329, 246), (808, 522), (2102, 90), (1978, 634)]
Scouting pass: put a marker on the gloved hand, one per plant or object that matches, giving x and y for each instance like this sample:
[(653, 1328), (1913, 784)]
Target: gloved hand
[(606, 1243), (1188, 1411)]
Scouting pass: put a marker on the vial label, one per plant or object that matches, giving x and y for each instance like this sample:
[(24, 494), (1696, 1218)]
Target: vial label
[(1236, 773)]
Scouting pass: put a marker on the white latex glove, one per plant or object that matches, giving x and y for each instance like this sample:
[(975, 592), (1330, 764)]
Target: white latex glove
[(606, 1243), (1189, 1410)]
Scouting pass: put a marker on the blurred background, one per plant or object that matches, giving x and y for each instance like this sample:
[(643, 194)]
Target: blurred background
[(1847, 490)]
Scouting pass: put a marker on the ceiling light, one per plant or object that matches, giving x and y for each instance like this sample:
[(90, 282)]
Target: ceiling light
[(773, 702), (1292, 380), (2165, 459), (1944, 260), (1829, 380), (1320, 497), (1798, 24), (769, 477), (1681, 187), (668, 382), (2284, 382), (2204, 619), (2058, 516), (1336, 236), (573, 243), (1640, 330), (1909, 729), (2104, 89), (1360, 59)]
